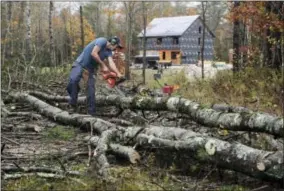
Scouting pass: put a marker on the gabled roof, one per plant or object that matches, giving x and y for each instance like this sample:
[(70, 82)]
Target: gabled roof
[(168, 26)]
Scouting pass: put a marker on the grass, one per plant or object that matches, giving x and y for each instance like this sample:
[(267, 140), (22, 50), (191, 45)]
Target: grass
[(59, 133), (121, 178), (257, 89), (168, 76)]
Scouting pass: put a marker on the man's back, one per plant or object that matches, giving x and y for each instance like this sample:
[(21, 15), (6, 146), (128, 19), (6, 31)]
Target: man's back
[(86, 60)]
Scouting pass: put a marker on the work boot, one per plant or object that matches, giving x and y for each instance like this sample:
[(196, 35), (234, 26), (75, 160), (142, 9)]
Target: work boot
[(73, 109), (92, 114)]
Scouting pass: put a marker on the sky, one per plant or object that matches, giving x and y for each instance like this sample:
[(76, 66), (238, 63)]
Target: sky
[(75, 4)]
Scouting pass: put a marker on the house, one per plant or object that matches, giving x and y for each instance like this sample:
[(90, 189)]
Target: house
[(177, 40)]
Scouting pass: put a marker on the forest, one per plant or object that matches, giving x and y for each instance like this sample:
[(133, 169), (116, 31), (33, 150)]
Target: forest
[(219, 128)]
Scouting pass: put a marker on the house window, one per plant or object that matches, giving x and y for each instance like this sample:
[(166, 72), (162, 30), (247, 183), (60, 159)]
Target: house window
[(173, 55), (199, 56), (175, 40), (159, 41), (164, 55), (199, 29), (199, 41), (142, 40)]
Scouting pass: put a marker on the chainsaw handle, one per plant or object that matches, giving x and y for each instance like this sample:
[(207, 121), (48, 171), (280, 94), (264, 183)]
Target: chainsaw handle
[(107, 75)]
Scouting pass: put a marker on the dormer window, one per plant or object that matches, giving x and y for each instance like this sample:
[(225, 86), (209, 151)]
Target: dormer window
[(175, 40), (159, 41)]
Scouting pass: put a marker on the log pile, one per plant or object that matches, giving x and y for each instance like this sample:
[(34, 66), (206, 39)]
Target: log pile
[(140, 123)]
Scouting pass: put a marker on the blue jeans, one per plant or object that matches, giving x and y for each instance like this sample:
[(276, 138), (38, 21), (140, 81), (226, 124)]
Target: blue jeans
[(73, 87)]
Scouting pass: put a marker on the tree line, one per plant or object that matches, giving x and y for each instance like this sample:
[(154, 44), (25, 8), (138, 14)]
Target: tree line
[(42, 34), (55, 36)]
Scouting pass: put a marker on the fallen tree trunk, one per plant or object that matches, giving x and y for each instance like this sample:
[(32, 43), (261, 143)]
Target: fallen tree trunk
[(39, 174), (235, 156), (9, 169), (246, 121), (253, 162), (229, 108)]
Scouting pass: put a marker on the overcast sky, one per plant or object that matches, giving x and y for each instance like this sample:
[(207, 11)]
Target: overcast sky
[(75, 4)]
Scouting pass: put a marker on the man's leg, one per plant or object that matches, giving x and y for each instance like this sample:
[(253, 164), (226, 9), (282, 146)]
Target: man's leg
[(91, 94), (73, 85)]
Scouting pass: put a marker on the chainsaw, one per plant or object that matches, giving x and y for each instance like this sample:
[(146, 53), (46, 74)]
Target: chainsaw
[(113, 81)]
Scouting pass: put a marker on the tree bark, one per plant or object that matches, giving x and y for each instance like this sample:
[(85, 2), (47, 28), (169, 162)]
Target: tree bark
[(82, 28), (6, 33), (236, 42), (120, 150), (235, 156), (28, 52), (130, 11), (51, 39), (144, 41), (203, 37), (255, 122)]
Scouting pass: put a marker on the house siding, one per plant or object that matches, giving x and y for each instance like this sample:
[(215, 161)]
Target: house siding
[(167, 44), (188, 44)]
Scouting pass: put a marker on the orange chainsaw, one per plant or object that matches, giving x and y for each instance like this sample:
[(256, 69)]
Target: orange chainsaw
[(113, 81)]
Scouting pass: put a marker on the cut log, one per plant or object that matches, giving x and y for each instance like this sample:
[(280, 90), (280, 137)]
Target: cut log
[(235, 156), (100, 151), (62, 116), (255, 122), (121, 122), (120, 150), (257, 163), (28, 114)]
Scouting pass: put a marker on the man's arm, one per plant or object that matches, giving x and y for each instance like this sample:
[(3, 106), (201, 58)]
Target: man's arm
[(95, 55), (113, 67)]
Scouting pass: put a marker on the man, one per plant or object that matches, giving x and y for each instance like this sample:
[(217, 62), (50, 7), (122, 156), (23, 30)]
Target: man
[(88, 62)]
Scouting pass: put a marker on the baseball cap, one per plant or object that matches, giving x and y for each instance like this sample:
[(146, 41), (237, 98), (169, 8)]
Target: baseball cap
[(116, 40)]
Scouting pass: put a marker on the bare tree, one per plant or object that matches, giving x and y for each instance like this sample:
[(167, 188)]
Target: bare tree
[(82, 28), (214, 14), (28, 31), (236, 39), (130, 11), (144, 13), (204, 7), (111, 9), (6, 33), (51, 47)]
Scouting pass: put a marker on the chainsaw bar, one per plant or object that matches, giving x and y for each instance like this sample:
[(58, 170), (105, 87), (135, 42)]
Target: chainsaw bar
[(119, 91)]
